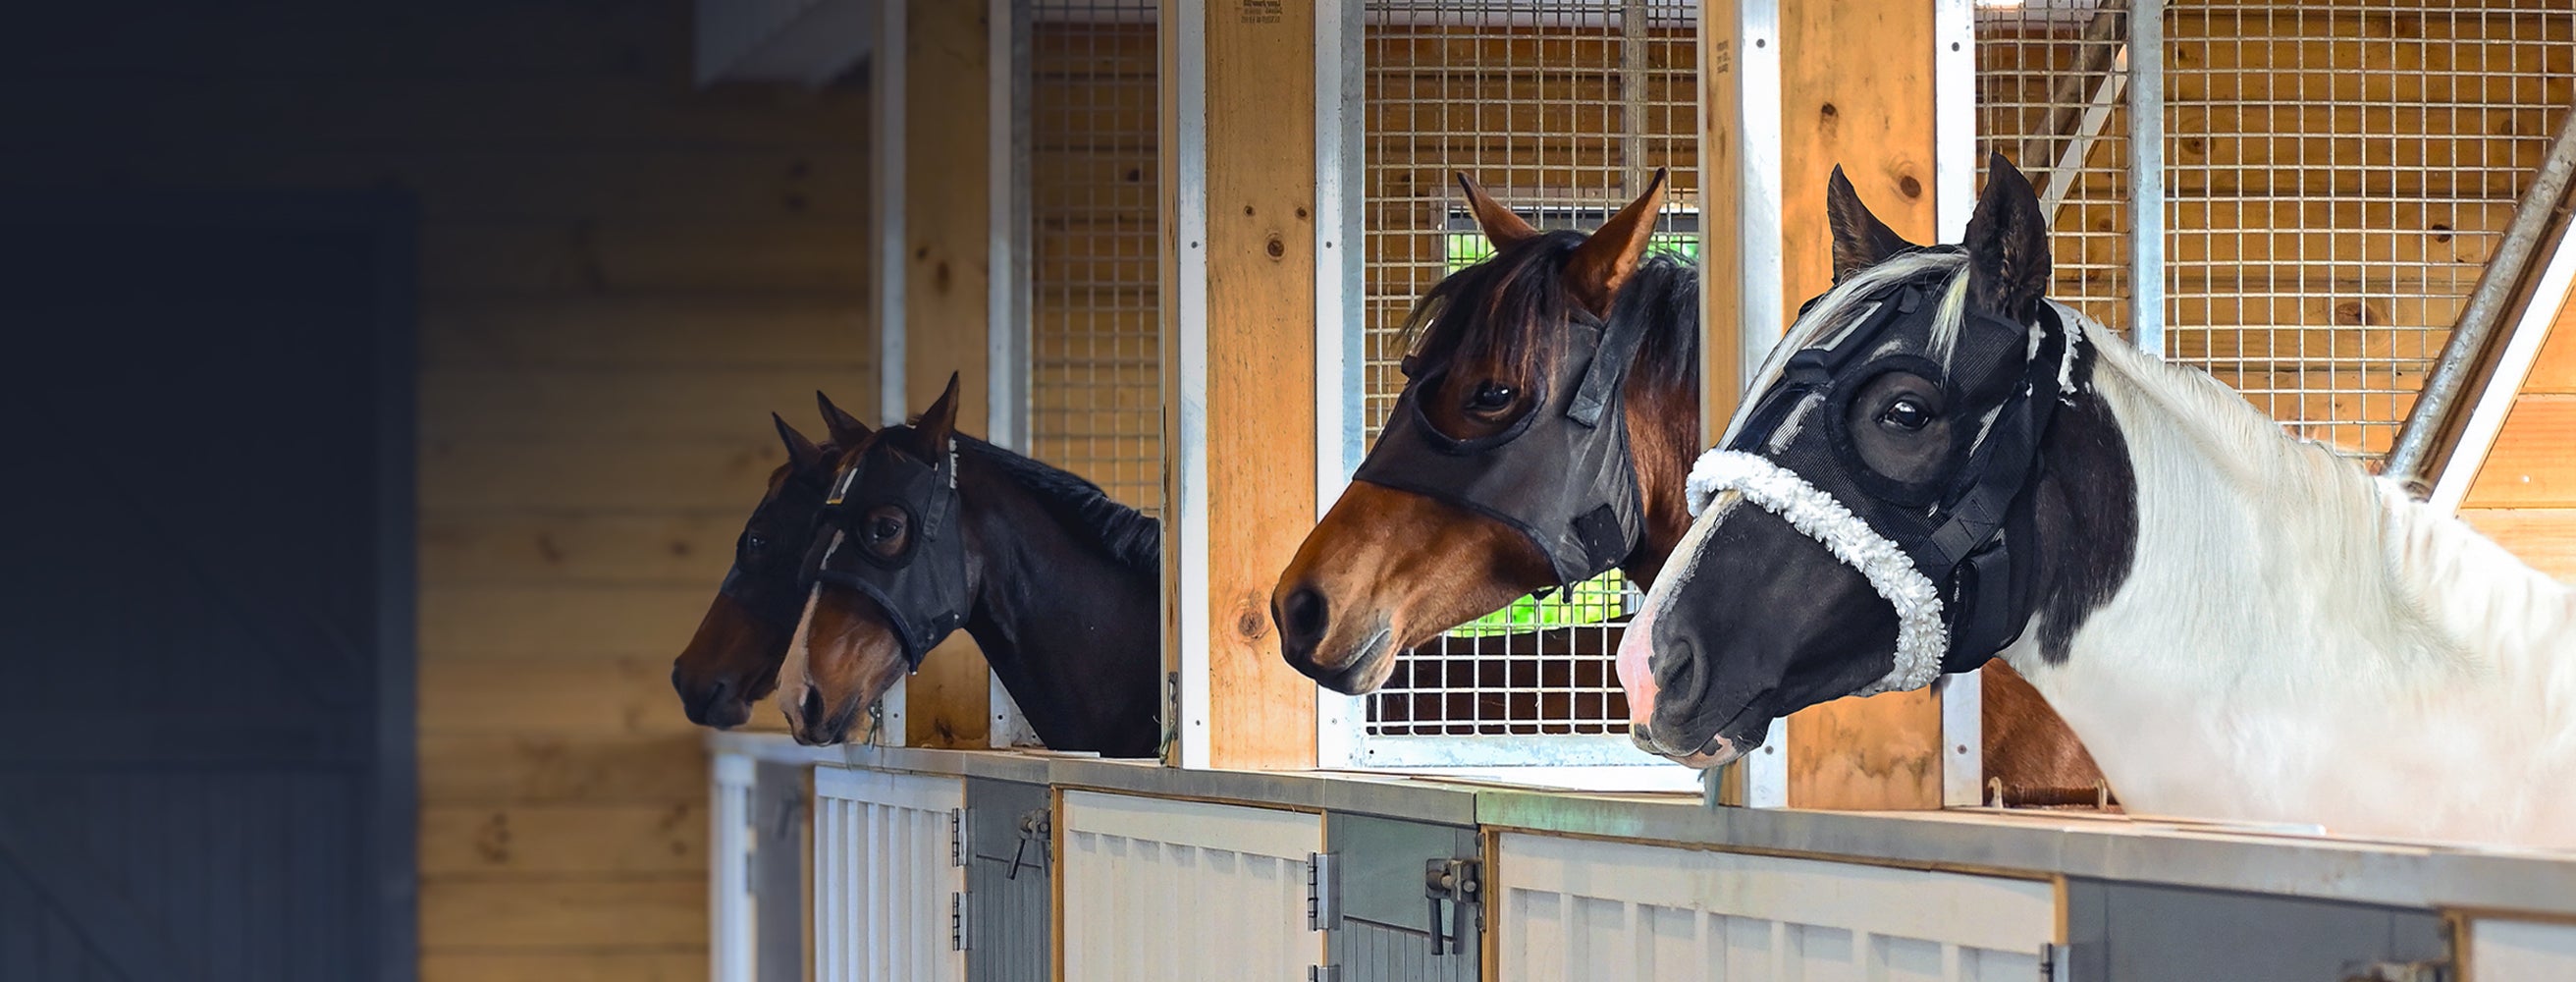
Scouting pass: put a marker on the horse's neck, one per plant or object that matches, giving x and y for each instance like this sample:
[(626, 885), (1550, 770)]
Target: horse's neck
[(1071, 632), (2292, 638)]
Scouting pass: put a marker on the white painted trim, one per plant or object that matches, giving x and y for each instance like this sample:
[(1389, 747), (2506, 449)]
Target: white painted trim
[(1007, 289), (2507, 950), (1186, 325), (1758, 186), (731, 950), (2147, 176), (2530, 331), (1954, 187), (886, 184), (1339, 111)]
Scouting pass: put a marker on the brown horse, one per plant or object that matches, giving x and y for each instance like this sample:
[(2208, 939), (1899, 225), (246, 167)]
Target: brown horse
[(732, 661), (927, 531), (1393, 567)]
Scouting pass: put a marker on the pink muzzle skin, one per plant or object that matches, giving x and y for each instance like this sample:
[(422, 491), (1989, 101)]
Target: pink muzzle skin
[(1636, 645)]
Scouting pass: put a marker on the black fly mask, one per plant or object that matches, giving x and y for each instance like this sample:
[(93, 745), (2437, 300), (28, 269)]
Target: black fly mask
[(1942, 550), (1584, 525), (897, 526)]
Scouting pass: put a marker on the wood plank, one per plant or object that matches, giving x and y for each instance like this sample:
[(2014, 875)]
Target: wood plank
[(688, 550), (127, 112), (826, 186), (1260, 343), (948, 229), (523, 913), (1721, 250), (1857, 86), (829, 332), (591, 475), (2530, 466), (486, 770), (619, 404), (587, 256), (2543, 537), (2554, 372), (572, 623), (675, 964), (563, 840), (519, 696)]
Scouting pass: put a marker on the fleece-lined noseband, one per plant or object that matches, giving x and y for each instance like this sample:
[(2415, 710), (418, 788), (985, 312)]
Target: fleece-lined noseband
[(923, 588), (1560, 476), (1942, 553)]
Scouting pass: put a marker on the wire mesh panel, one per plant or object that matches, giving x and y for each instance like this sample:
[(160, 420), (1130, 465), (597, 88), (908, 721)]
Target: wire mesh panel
[(1095, 385), (2338, 175), (2052, 83), (1562, 109)]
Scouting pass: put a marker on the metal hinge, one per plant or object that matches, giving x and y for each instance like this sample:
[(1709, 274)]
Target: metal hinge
[(957, 922), (2052, 963), (957, 837), (1322, 910), (1323, 973)]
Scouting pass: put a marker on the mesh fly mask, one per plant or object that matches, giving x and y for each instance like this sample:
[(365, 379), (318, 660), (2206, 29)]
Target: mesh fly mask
[(921, 586), (1942, 551), (1518, 476)]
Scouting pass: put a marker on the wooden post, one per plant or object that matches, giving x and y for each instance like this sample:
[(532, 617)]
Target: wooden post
[(1238, 370), (946, 266), (1855, 87)]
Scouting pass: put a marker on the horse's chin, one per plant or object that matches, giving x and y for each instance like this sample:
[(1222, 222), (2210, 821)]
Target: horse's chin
[(1368, 668)]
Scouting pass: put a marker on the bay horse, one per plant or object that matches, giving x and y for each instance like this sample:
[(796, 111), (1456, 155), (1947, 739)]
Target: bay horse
[(1939, 467), (732, 660), (926, 531), (1416, 545)]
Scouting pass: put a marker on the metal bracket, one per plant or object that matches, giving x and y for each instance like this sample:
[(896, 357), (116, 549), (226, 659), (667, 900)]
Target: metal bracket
[(2433, 971), (1323, 907), (957, 837), (1039, 827), (1323, 973), (2052, 967), (957, 922), (1460, 882)]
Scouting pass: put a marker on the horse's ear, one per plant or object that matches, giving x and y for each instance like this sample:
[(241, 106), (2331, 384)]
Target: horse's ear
[(939, 422), (2008, 262), (846, 430), (802, 454), (1860, 239), (1503, 227), (1603, 263)]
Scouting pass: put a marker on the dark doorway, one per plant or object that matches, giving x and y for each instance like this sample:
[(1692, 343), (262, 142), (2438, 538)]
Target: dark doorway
[(206, 764)]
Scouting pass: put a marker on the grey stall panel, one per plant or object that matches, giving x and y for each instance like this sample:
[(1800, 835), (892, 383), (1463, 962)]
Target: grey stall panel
[(1009, 896), (1383, 933), (779, 833), (2139, 932)]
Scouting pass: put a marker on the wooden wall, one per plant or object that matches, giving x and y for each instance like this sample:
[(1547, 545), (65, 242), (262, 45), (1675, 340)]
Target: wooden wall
[(2525, 496), (620, 277)]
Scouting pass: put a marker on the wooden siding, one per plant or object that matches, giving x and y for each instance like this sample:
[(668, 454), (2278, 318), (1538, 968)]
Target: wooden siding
[(619, 276), (2525, 495)]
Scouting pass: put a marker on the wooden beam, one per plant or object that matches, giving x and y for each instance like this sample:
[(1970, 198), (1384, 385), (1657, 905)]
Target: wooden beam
[(947, 227), (1239, 479), (1857, 85)]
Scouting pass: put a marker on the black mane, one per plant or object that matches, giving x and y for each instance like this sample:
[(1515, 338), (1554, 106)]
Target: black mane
[(1487, 311), (1132, 537)]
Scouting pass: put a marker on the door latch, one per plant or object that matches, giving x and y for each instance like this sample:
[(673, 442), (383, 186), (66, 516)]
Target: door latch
[(1461, 884), (1039, 827)]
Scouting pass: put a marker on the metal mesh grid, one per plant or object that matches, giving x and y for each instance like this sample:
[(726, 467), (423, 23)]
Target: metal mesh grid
[(2338, 175), (2052, 91), (1095, 347), (1562, 109)]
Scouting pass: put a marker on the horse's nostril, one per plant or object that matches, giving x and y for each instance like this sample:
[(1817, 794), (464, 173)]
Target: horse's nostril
[(812, 707), (1304, 616), (719, 691)]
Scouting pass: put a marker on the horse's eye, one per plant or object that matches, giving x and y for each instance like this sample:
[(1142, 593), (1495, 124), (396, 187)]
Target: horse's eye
[(754, 543), (1490, 397), (1905, 414), (884, 531)]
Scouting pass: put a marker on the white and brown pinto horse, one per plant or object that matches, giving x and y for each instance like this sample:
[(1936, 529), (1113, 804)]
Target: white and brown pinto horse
[(2237, 623)]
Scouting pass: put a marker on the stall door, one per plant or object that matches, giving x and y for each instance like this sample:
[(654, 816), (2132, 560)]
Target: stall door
[(1408, 900), (1185, 891), (889, 877), (205, 604), (1010, 892), (1582, 909)]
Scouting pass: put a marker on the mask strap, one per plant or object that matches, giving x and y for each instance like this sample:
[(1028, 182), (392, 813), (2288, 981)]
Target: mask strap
[(1619, 344)]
